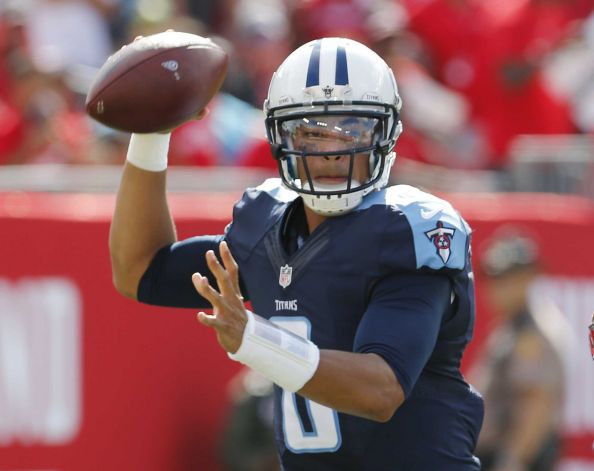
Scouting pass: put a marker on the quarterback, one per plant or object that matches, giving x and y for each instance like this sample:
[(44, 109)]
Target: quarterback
[(362, 294)]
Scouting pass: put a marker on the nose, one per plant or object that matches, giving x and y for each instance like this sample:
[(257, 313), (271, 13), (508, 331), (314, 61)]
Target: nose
[(334, 157)]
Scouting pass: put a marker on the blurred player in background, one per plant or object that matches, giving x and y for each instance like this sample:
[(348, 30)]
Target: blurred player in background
[(369, 289), (247, 441), (521, 375), (591, 336)]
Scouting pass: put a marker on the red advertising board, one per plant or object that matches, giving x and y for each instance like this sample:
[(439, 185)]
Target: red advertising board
[(92, 381)]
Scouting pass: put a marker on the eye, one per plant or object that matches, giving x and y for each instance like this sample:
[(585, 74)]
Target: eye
[(313, 134)]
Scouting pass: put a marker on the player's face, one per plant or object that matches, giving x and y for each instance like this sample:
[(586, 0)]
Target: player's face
[(337, 134)]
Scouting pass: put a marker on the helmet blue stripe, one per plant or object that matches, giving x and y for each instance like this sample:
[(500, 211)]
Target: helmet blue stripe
[(313, 70), (342, 72)]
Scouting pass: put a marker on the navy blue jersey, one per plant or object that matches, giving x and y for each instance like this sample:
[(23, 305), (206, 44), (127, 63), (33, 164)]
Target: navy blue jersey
[(393, 277)]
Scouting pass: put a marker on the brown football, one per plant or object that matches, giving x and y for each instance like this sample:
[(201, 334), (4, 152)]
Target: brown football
[(157, 82)]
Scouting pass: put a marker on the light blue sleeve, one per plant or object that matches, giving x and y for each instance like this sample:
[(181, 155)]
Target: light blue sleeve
[(440, 235)]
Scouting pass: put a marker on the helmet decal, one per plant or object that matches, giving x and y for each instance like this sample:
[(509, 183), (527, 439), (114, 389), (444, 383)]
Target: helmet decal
[(328, 91), (342, 72), (313, 70)]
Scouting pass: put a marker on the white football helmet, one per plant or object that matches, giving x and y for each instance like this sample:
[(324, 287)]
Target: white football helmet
[(333, 98)]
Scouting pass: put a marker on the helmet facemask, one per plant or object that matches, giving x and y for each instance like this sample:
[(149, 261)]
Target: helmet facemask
[(344, 132)]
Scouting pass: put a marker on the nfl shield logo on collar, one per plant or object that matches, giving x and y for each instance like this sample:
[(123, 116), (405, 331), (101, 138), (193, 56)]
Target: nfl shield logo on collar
[(284, 278)]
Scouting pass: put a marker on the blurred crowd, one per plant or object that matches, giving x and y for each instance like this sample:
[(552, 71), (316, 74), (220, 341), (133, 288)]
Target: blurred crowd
[(474, 74)]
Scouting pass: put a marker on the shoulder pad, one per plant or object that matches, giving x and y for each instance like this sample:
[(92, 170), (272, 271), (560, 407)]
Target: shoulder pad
[(440, 235), (255, 213)]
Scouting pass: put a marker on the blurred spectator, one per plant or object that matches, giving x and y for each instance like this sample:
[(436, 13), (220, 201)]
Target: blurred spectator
[(247, 442), (12, 55), (313, 19), (570, 72), (13, 47), (509, 95), (261, 37), (44, 74), (42, 121), (493, 53), (591, 336), (208, 12), (231, 134), (66, 33), (438, 125), (366, 21), (118, 15), (147, 21), (521, 374), (55, 128)]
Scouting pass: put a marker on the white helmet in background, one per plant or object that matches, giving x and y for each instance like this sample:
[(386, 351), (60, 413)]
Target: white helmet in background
[(343, 86)]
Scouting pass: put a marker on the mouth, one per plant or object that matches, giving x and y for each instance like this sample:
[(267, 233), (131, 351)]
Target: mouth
[(330, 180)]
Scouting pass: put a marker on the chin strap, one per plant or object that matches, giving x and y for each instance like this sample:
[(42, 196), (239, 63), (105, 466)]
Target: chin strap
[(334, 205)]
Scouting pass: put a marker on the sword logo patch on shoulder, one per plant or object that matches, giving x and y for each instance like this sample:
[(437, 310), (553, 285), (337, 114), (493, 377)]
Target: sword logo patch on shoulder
[(285, 276), (442, 239)]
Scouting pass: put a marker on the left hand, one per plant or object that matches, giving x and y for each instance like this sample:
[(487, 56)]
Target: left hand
[(228, 317)]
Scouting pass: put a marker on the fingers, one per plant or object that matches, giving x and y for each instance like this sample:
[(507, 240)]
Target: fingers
[(203, 287), (205, 319), (227, 276), (230, 265), (221, 275)]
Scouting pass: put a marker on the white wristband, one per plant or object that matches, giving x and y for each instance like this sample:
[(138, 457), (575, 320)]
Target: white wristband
[(149, 151), (281, 356)]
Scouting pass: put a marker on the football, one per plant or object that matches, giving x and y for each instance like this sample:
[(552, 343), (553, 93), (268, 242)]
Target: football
[(157, 82)]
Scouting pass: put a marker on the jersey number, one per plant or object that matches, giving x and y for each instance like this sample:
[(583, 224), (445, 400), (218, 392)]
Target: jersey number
[(315, 427)]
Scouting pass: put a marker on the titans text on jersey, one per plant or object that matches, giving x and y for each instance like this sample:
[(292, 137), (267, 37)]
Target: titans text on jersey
[(286, 305)]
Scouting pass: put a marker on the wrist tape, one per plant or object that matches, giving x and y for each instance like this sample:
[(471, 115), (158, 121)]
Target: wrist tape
[(276, 353), (149, 151)]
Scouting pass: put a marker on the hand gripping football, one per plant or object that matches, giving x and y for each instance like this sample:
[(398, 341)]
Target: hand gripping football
[(157, 82)]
